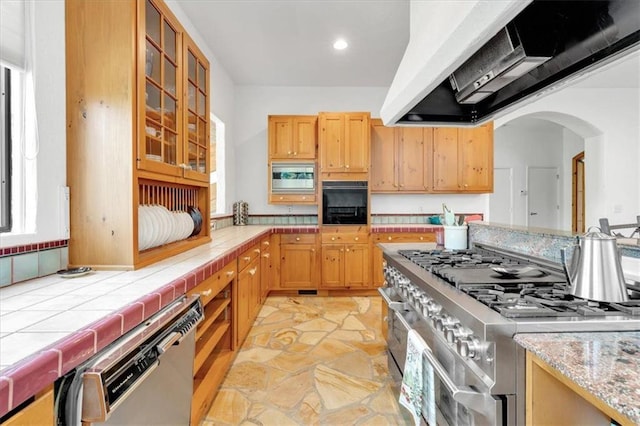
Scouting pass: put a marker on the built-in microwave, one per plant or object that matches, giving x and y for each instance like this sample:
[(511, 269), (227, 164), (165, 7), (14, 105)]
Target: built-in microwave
[(293, 177)]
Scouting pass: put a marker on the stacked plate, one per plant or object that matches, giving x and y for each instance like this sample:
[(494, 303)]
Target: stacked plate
[(157, 226)]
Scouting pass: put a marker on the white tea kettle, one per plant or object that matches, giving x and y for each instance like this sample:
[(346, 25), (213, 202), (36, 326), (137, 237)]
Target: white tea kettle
[(595, 271)]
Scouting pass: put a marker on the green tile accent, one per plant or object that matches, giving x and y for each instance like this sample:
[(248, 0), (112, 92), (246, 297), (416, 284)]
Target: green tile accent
[(5, 271), (48, 262), (25, 267)]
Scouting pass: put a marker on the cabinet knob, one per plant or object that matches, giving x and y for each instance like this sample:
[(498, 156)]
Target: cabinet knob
[(390, 238), (295, 153), (421, 238), (356, 238), (266, 243), (184, 166), (247, 258), (297, 238), (304, 197), (341, 250), (253, 271), (282, 198), (348, 250), (288, 152), (266, 255), (313, 250), (256, 251), (401, 186), (347, 166), (230, 273), (207, 293), (466, 185)]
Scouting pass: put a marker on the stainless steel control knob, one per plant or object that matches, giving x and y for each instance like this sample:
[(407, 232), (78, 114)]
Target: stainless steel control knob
[(469, 347), (434, 308), (456, 332), (445, 321)]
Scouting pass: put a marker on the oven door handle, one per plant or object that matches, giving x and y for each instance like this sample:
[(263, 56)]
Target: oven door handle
[(464, 395), (394, 306)]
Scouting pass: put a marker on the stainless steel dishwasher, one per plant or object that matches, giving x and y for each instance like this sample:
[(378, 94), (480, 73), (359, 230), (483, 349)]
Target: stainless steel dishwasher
[(143, 378)]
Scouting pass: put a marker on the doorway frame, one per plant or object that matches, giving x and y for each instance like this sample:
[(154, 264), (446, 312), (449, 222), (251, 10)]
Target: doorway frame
[(577, 196)]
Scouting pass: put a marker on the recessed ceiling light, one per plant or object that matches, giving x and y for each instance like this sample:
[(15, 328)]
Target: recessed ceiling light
[(340, 44)]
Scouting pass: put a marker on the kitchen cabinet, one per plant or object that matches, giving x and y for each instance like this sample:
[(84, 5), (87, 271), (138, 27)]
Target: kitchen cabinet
[(400, 158), (137, 129), (299, 267), (215, 343), (344, 142), (38, 412), (545, 386), (293, 137), (266, 269), (463, 159), (248, 300), (393, 237), (346, 262)]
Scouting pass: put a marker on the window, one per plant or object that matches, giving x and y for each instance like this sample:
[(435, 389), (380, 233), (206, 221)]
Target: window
[(5, 150), (217, 188)]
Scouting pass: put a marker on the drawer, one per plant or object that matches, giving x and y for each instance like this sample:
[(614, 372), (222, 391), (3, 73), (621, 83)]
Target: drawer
[(248, 256), (209, 288), (292, 198), (265, 244), (298, 239), (347, 237), (404, 237)]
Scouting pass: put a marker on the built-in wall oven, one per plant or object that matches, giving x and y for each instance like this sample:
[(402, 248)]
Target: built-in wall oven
[(344, 202), (293, 177)]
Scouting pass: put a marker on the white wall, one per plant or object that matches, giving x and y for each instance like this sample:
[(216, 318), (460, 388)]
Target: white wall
[(50, 107), (572, 145), (254, 104), (608, 121)]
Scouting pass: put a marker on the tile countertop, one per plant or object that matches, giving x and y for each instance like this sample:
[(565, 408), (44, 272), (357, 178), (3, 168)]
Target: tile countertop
[(50, 325), (607, 365)]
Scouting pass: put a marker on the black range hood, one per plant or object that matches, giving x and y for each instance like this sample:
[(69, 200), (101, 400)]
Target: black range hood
[(546, 44)]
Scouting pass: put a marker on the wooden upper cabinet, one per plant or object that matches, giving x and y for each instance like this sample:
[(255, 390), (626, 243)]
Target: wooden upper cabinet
[(400, 158), (463, 159), (344, 142), (292, 137), (173, 94)]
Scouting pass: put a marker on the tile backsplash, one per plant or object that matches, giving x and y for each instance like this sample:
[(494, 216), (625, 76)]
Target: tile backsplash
[(21, 263)]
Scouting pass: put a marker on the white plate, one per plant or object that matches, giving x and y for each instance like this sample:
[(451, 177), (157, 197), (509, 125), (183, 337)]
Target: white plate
[(143, 237)]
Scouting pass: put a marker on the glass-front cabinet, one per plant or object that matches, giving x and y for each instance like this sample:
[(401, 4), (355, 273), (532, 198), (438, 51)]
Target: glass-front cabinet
[(174, 131)]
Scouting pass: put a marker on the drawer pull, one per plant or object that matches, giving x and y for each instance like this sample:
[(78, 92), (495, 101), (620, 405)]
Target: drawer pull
[(333, 238), (246, 258), (207, 293), (266, 255), (256, 251), (390, 238), (266, 243), (421, 238), (356, 238), (253, 271), (230, 273), (297, 238)]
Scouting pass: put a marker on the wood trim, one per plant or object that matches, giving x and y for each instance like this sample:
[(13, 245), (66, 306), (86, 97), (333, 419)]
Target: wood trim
[(577, 193)]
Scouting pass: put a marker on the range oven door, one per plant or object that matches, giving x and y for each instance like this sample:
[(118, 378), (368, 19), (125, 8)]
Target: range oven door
[(457, 400)]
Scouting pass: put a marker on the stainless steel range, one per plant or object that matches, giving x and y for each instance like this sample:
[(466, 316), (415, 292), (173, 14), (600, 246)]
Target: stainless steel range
[(467, 305)]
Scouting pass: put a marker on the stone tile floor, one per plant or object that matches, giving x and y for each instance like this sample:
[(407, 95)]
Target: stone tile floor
[(310, 361)]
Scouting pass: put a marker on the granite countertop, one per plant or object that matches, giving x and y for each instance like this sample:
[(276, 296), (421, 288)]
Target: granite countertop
[(606, 364)]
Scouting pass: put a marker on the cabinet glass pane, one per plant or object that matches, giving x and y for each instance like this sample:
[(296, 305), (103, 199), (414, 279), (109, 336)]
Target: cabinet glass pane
[(153, 101), (201, 160), (169, 76), (152, 62), (192, 127), (202, 132), (153, 148), (202, 81), (191, 66), (152, 22), (192, 97), (170, 147), (201, 102), (193, 156), (169, 41), (169, 112), (153, 129)]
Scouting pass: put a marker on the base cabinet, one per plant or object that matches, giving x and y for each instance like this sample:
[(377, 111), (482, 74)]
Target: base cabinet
[(394, 237), (299, 263), (248, 292), (553, 399), (215, 344), (39, 412), (346, 260)]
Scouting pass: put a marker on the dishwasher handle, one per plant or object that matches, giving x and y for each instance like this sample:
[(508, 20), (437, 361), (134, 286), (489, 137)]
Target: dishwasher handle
[(166, 343)]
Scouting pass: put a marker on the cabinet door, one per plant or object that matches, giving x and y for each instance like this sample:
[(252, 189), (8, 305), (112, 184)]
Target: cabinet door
[(383, 159), (357, 266), (246, 299), (357, 142), (159, 90), (445, 159), (298, 266), (332, 140), (266, 270), (39, 412), (196, 133), (413, 145), (305, 131), (476, 162), (333, 265), (280, 137)]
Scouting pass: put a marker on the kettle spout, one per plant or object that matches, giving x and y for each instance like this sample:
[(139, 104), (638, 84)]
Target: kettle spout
[(570, 267)]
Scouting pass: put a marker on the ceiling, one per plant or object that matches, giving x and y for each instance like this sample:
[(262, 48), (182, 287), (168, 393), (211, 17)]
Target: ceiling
[(289, 42)]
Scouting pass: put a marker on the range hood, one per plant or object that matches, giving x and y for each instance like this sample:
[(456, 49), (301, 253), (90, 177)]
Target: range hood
[(545, 45)]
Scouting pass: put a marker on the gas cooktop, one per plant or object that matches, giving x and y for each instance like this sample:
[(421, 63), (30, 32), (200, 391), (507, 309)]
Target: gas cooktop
[(512, 287)]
